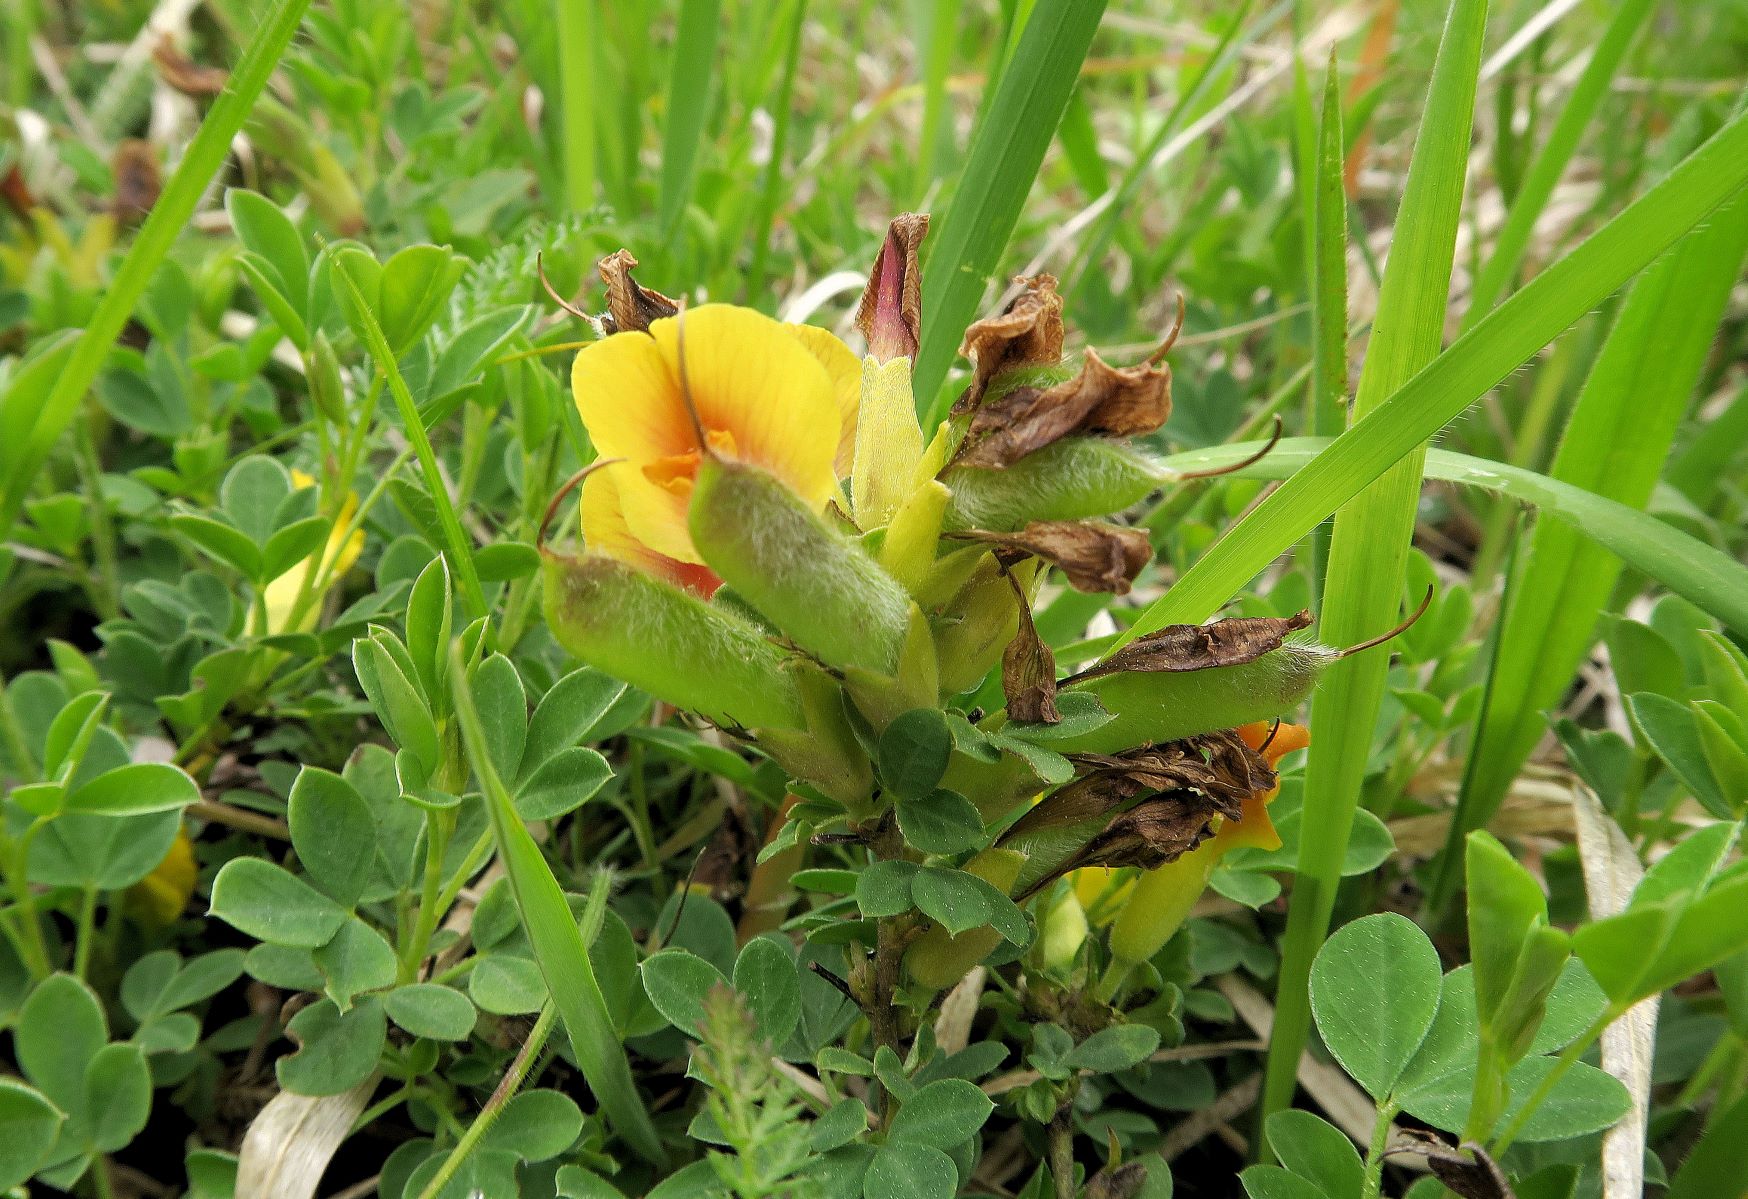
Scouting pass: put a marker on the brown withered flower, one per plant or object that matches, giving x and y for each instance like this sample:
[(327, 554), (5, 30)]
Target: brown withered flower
[(1094, 556), (890, 315), (1028, 332), (631, 307), (1185, 647), (1157, 803), (1028, 670), (1101, 400)]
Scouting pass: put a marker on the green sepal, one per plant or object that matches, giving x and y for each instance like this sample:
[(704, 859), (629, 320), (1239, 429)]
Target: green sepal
[(1072, 479), (1152, 707), (826, 752), (824, 594), (669, 643)]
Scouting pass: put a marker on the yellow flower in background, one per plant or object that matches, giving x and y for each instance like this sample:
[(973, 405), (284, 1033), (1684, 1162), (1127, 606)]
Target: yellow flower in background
[(1159, 900), (781, 397), (336, 558), (161, 896)]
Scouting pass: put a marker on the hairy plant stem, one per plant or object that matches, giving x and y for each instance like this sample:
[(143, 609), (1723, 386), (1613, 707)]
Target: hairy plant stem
[(1372, 1183), (85, 929), (488, 1115), (438, 828), (106, 595), (1061, 1137)]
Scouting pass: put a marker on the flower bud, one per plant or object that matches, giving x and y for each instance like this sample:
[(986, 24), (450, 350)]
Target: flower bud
[(890, 314), (327, 391)]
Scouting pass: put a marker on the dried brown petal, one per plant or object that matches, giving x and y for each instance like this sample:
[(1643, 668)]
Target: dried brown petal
[(1094, 556), (136, 180), (630, 305), (1102, 400), (186, 75), (890, 315), (1117, 1182), (1218, 767), (1028, 672), (1028, 332), (1182, 647), (1467, 1171)]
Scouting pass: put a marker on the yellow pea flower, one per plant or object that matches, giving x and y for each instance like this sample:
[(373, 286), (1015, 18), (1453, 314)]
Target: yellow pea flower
[(159, 898), (1159, 900), (781, 397), (336, 558)]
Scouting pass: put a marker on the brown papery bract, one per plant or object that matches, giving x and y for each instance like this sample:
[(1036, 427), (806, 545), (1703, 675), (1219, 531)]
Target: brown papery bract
[(1185, 647), (1093, 555), (890, 315), (1028, 332), (630, 305), (1102, 400)]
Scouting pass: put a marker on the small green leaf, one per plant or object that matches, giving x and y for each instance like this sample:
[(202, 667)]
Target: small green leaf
[(221, 541), (60, 1031), (910, 1170), (951, 898), (415, 283), (336, 1051), (118, 1096), (32, 1124), (1374, 992), (357, 959), (503, 712), (842, 1123), (765, 974), (334, 833), (943, 822), (1316, 1151), (567, 713), (1275, 1182), (884, 889), (1118, 1047), (942, 1114), (564, 782), (677, 982), (431, 1010), (272, 905), (137, 789), (913, 753), (1674, 733), (536, 1125)]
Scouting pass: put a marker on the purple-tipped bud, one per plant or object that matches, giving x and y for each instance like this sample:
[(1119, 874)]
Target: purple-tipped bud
[(890, 315)]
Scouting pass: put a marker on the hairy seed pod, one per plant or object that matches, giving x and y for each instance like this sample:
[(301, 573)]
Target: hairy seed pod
[(1153, 707), (938, 959), (1072, 479), (669, 643), (823, 593)]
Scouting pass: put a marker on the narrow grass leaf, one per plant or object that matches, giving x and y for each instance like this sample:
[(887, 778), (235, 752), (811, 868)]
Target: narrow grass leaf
[(1692, 569), (1473, 365), (694, 70), (1616, 440), (1369, 547), (999, 172), (1328, 393), (1501, 266), (579, 32), (556, 937), (169, 216)]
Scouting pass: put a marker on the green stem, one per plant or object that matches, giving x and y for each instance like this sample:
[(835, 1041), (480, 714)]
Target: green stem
[(488, 1115), (169, 216), (107, 596), (1373, 1182), (438, 827), (83, 937), (456, 542), (34, 947)]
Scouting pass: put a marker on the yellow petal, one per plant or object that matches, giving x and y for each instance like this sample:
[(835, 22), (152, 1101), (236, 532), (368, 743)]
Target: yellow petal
[(751, 378), (845, 370), (629, 399), (605, 531), (160, 897)]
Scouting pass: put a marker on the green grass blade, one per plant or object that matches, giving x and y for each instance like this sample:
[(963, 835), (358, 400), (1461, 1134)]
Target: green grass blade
[(557, 939), (169, 216), (579, 31), (1615, 444), (1687, 566), (1328, 394), (1368, 549), (775, 170), (937, 34), (1502, 342), (999, 171), (458, 545), (694, 70), (1501, 267)]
